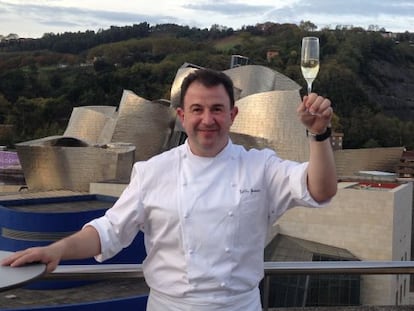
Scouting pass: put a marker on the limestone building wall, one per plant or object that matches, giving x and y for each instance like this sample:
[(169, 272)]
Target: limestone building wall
[(371, 224), (350, 161)]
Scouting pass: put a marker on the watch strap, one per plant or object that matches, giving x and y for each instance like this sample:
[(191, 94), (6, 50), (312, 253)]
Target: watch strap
[(319, 137)]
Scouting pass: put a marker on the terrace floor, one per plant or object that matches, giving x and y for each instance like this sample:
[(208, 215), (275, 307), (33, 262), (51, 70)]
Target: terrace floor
[(102, 290)]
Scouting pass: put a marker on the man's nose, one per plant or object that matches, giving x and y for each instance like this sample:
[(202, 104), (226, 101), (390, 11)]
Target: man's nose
[(208, 117)]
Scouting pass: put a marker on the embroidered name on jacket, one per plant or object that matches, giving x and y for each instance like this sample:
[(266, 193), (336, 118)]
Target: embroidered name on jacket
[(249, 191)]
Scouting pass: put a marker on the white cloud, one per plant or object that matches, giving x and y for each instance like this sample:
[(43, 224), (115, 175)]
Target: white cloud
[(56, 16)]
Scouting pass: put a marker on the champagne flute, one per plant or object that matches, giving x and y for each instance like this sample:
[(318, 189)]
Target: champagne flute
[(310, 60)]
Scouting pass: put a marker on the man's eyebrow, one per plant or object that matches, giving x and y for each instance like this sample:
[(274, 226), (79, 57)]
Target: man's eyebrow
[(195, 105), (218, 104), (213, 106)]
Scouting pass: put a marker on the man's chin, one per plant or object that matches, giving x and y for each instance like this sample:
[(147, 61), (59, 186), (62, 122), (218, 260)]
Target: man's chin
[(207, 137), (208, 145)]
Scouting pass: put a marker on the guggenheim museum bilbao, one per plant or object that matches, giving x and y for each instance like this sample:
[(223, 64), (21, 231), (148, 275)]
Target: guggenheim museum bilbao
[(365, 221)]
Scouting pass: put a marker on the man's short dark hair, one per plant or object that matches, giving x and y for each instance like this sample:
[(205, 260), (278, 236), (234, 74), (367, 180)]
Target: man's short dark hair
[(208, 78)]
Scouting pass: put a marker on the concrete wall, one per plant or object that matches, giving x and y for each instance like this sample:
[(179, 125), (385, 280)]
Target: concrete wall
[(402, 240)]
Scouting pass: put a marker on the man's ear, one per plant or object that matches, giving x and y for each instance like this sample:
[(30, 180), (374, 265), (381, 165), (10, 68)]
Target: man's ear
[(233, 113), (180, 113)]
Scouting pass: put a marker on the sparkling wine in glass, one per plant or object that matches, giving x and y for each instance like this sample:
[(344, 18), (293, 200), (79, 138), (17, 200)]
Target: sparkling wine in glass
[(310, 60)]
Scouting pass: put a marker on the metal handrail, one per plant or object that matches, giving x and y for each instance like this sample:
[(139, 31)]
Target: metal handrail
[(125, 271), (96, 272), (339, 267), (120, 271)]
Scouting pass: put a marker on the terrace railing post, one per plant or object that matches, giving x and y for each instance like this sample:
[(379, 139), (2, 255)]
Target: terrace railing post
[(266, 291), (305, 292)]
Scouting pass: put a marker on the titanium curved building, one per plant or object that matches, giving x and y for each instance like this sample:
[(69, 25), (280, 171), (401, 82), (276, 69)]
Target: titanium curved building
[(247, 80), (268, 120), (253, 79), (57, 162), (145, 124), (90, 123), (99, 144), (102, 143)]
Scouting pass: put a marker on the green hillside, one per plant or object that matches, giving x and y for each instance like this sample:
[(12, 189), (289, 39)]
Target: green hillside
[(369, 76)]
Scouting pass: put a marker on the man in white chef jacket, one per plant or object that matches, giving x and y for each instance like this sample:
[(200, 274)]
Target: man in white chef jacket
[(205, 206)]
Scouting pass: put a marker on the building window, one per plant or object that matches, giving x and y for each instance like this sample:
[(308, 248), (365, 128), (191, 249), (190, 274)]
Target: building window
[(238, 60), (314, 290)]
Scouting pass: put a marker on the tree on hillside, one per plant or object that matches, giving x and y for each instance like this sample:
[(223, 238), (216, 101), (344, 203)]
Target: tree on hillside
[(12, 83), (307, 26)]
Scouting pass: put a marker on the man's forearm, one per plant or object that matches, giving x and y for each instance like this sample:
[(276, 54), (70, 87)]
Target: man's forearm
[(322, 180), (83, 244)]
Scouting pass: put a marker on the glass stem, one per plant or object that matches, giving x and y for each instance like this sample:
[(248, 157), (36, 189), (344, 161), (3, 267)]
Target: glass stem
[(309, 87)]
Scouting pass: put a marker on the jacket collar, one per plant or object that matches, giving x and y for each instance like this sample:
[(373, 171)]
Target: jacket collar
[(223, 154)]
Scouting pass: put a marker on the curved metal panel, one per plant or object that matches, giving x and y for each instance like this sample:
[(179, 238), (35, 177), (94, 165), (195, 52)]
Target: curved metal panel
[(145, 124), (270, 120)]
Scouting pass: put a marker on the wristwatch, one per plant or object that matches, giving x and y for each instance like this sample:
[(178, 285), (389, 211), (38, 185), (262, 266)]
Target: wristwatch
[(319, 137)]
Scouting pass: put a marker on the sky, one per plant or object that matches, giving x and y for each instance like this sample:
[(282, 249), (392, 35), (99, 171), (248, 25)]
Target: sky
[(33, 18)]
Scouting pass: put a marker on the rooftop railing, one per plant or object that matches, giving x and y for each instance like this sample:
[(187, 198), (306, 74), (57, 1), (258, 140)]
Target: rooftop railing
[(125, 271)]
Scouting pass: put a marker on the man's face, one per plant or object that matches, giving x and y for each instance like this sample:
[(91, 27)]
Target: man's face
[(206, 117)]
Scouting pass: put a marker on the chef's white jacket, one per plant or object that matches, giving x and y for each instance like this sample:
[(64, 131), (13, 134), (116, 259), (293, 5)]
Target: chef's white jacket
[(204, 220)]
